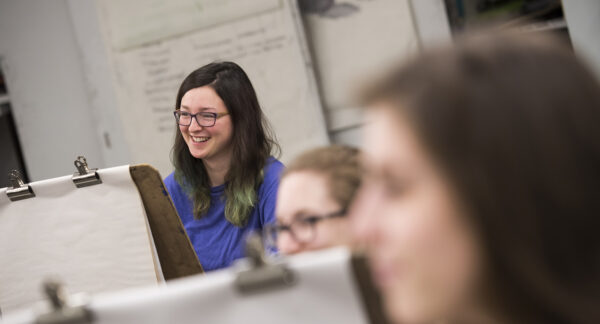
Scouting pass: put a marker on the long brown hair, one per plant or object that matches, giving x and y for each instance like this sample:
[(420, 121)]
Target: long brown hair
[(253, 143), (513, 120)]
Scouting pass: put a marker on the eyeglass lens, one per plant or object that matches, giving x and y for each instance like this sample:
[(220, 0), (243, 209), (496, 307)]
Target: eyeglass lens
[(204, 119)]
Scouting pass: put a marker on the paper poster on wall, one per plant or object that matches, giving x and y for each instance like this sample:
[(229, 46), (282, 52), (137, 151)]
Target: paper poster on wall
[(135, 23), (354, 40), (270, 47)]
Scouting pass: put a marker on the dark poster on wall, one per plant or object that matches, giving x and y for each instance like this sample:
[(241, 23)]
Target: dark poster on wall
[(523, 15), (10, 148)]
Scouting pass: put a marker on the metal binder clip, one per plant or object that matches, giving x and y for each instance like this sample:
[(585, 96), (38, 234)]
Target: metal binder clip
[(19, 189), (62, 312), (84, 176), (264, 275)]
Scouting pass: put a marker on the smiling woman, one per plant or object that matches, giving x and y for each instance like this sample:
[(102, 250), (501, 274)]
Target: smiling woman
[(225, 179)]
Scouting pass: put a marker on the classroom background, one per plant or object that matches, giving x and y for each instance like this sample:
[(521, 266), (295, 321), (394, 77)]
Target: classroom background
[(99, 78)]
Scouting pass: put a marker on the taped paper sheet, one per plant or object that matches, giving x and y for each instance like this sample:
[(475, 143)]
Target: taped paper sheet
[(93, 239)]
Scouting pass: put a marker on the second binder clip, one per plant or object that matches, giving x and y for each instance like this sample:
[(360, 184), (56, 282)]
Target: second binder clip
[(85, 176), (263, 274), (63, 312), (19, 190)]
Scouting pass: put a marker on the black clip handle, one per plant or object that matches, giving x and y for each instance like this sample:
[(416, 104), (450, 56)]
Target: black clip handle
[(264, 274), (62, 312)]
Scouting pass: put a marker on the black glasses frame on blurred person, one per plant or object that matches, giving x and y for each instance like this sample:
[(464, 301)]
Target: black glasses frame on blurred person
[(204, 119), (302, 229)]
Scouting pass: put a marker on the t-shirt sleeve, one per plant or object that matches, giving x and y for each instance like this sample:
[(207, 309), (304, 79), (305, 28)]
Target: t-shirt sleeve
[(269, 193)]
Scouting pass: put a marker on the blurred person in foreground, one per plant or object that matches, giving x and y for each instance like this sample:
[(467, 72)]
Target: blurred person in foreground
[(481, 201), (313, 198)]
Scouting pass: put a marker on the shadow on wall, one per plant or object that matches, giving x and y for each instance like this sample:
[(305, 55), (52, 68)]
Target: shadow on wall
[(10, 148), (328, 8)]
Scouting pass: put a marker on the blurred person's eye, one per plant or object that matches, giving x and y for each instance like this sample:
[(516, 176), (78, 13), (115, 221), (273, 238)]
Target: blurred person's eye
[(309, 219), (370, 177), (394, 188)]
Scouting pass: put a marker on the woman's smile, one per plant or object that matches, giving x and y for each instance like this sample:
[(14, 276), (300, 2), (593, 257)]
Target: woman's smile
[(199, 139)]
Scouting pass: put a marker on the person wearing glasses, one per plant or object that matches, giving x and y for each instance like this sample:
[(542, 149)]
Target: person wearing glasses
[(315, 192), (480, 202), (225, 180)]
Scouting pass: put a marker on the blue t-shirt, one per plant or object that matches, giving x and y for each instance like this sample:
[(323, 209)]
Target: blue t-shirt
[(216, 241)]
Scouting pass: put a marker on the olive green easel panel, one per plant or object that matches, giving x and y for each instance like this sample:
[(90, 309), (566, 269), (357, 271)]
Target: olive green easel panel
[(175, 252)]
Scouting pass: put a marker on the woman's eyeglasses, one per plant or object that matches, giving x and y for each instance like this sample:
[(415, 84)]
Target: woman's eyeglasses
[(204, 119), (302, 229)]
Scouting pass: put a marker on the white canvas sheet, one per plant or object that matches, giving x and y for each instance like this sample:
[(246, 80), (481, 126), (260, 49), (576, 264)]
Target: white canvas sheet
[(325, 292), (93, 239)]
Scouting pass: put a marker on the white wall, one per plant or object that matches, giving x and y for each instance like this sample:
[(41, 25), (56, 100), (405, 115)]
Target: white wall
[(60, 85), (45, 79), (99, 82), (62, 92), (431, 25), (431, 22), (583, 21)]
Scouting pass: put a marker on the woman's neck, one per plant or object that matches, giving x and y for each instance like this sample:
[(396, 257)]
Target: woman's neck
[(217, 170), (477, 318), (479, 313)]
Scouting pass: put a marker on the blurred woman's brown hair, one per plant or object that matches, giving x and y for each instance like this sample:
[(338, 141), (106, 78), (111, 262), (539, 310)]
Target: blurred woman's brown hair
[(513, 121), (339, 164)]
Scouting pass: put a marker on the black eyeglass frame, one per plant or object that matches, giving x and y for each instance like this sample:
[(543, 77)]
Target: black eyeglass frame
[(271, 231), (177, 113)]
